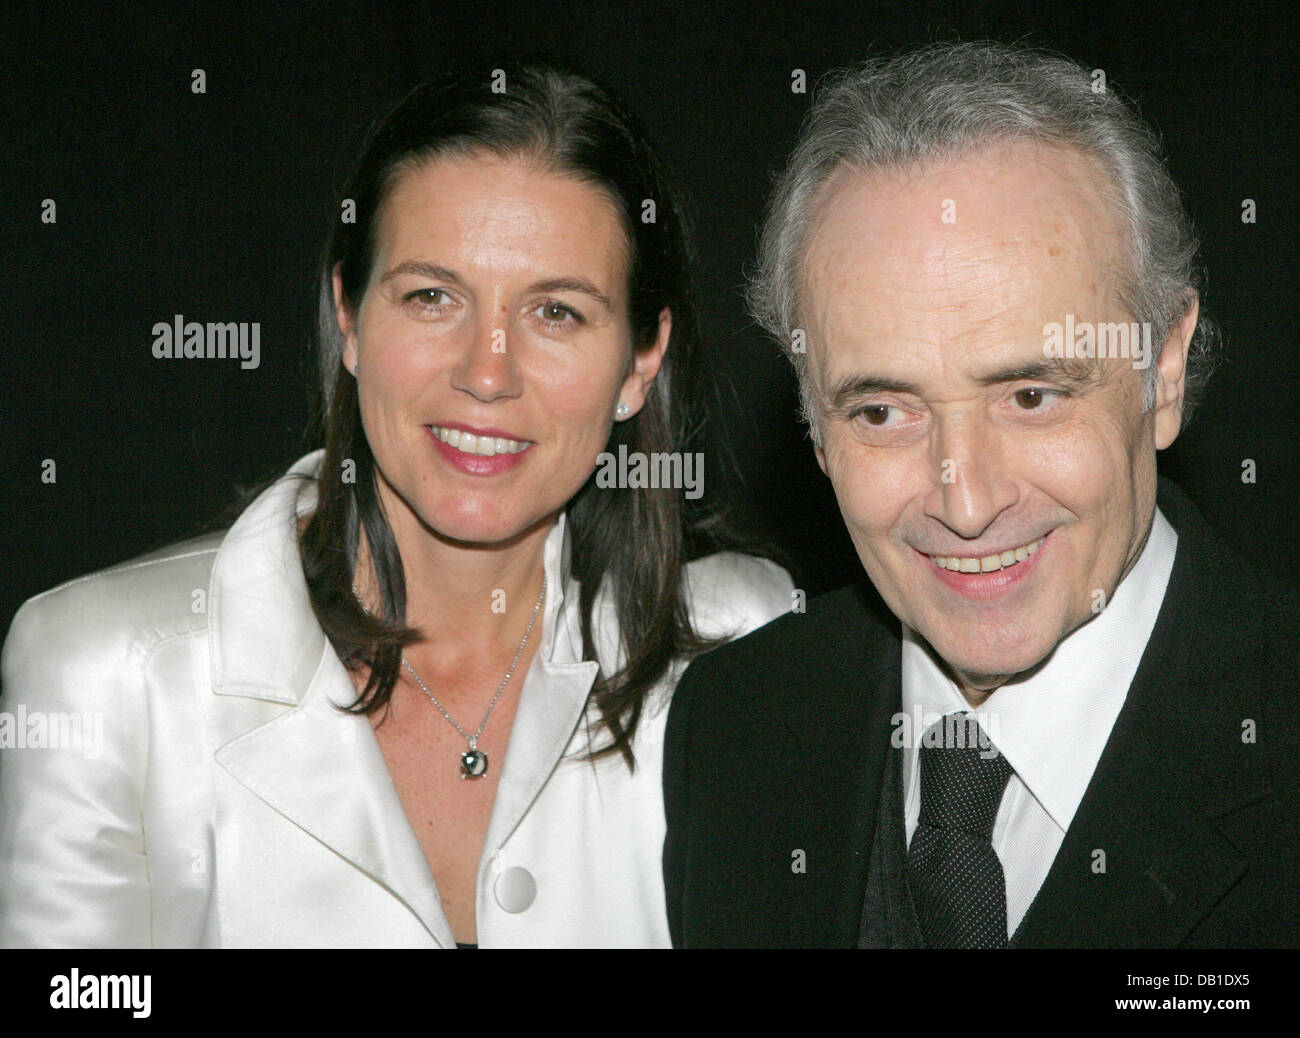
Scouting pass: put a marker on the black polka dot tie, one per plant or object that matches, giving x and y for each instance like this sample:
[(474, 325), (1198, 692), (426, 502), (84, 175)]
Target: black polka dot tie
[(954, 874)]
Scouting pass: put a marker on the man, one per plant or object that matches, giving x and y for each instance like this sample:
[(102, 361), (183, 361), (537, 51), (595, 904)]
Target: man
[(1069, 718)]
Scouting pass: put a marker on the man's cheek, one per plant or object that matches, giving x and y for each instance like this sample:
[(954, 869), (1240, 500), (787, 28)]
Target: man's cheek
[(866, 515)]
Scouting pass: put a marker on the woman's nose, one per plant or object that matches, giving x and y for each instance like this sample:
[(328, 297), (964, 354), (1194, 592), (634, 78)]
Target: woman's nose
[(487, 367)]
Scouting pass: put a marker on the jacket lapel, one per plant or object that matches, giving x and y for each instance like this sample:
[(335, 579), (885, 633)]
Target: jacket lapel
[(548, 715), (1143, 860), (321, 768), (840, 723), (555, 694), (274, 725)]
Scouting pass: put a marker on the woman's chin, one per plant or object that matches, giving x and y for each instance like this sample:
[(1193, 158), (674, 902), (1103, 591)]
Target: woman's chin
[(480, 528)]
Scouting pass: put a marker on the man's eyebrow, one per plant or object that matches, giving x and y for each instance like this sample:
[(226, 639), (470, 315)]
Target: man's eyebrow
[(428, 270), (573, 285), (854, 387), (1074, 372)]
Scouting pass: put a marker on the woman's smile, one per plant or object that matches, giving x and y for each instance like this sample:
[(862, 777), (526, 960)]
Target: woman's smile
[(480, 453)]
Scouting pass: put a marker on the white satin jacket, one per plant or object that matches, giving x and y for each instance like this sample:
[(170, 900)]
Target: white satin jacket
[(174, 771)]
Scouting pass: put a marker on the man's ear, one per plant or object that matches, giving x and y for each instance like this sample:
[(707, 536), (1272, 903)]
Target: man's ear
[(820, 454), (645, 365), (346, 320), (806, 378), (1171, 376)]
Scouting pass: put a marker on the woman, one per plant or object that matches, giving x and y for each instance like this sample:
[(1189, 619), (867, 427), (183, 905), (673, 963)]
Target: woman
[(415, 696)]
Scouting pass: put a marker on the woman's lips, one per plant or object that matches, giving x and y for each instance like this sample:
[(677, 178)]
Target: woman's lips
[(485, 442), (477, 430), (987, 576), (478, 453)]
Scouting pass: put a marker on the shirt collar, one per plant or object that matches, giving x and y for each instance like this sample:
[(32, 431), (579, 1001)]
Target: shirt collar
[(1053, 724)]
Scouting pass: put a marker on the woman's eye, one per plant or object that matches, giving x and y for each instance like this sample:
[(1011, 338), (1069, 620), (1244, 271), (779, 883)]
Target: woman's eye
[(554, 313), (429, 297)]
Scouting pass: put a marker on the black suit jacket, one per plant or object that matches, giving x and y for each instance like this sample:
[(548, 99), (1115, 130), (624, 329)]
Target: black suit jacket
[(777, 742)]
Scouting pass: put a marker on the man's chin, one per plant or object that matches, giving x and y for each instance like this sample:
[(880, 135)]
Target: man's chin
[(983, 666)]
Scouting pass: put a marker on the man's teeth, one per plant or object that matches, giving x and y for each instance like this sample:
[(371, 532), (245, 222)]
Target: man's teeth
[(989, 563), (484, 445)]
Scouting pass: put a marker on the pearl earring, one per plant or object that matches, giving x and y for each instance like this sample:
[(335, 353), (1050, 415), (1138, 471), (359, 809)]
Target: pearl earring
[(622, 411)]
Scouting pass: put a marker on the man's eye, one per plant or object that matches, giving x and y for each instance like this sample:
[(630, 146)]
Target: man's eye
[(875, 414), (1036, 398)]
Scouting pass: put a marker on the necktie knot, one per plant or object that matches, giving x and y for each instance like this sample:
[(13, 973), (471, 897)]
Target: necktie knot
[(963, 776)]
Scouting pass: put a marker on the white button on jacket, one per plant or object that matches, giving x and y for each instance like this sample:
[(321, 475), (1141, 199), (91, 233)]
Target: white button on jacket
[(213, 795)]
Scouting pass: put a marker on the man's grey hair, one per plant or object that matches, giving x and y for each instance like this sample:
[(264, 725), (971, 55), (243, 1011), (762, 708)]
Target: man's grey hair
[(947, 100)]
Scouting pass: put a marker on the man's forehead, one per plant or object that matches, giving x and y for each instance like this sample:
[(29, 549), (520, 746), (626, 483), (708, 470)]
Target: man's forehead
[(966, 258), (1008, 190)]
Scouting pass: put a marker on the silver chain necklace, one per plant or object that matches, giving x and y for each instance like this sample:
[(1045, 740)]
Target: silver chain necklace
[(474, 762)]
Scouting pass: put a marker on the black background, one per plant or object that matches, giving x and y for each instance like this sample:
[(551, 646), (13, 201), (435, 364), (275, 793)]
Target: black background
[(215, 206)]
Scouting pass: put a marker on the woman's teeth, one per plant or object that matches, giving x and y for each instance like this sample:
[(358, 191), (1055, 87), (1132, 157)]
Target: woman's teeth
[(471, 444), (989, 563)]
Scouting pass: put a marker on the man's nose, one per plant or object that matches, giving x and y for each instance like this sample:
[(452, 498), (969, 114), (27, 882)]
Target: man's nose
[(972, 485), (487, 367)]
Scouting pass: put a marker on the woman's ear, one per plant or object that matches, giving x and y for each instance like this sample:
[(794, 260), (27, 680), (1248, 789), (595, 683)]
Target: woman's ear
[(645, 366), (346, 320)]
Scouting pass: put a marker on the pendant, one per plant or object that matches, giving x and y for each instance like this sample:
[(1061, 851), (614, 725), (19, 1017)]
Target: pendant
[(473, 764)]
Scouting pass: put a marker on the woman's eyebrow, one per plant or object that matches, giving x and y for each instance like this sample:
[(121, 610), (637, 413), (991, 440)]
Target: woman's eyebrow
[(557, 284), (428, 270), (573, 285)]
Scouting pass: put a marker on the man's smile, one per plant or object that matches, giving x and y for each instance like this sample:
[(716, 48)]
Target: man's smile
[(989, 576), (987, 563)]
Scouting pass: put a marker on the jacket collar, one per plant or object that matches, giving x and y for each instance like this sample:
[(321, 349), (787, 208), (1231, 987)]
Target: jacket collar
[(265, 640), (321, 767)]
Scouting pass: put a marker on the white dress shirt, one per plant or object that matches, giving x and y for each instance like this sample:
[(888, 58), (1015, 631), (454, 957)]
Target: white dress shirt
[(1051, 726)]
